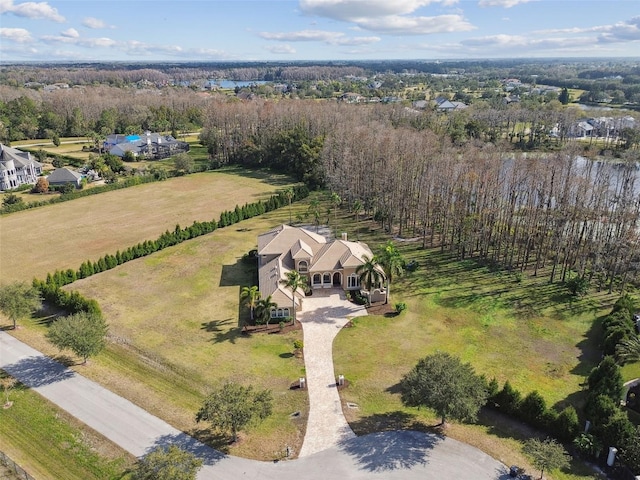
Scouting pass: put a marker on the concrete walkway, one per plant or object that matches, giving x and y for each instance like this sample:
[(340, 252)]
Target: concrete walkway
[(324, 314), (401, 455)]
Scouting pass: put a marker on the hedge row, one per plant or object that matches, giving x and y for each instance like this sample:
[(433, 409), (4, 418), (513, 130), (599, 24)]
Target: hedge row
[(73, 302), (65, 197), (533, 410), (618, 325)]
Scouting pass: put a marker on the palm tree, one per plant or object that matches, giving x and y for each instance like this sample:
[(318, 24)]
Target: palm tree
[(357, 209), (369, 273), (392, 264), (263, 309), (294, 281), (335, 201), (314, 209), (288, 193), (628, 351), (251, 295)]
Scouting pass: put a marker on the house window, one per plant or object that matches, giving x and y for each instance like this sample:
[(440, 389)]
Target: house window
[(303, 267), (285, 312), (326, 279), (317, 279), (353, 281)]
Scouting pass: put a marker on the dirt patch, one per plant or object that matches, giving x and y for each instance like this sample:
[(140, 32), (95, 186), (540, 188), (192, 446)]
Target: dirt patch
[(381, 308), (271, 329)]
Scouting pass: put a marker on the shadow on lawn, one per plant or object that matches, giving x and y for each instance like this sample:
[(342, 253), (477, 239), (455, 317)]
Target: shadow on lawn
[(277, 180), (222, 330)]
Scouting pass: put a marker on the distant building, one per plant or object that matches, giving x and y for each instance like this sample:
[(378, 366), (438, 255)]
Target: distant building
[(63, 176), (444, 105), (17, 168), (154, 146)]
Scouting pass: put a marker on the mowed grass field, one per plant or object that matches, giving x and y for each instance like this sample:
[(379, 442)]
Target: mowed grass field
[(509, 327), (64, 235), (55, 445), (174, 334)]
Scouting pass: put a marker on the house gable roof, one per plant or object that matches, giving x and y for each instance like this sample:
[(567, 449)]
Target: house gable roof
[(64, 175), (284, 237), (20, 159)]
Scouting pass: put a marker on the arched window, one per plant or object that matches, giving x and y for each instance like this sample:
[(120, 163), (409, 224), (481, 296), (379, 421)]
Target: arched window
[(285, 312), (326, 279), (303, 266), (353, 281), (317, 279)]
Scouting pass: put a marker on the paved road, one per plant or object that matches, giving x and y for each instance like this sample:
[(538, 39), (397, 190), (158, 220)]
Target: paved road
[(388, 455)]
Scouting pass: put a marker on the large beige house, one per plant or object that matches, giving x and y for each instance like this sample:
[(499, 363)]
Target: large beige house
[(325, 264)]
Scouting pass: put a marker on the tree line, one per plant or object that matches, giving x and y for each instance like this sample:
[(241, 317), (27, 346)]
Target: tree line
[(558, 213)]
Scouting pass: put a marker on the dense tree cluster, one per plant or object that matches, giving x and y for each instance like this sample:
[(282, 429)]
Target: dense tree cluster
[(95, 111)]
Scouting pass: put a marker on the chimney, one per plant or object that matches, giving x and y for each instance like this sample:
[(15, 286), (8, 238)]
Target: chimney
[(344, 236)]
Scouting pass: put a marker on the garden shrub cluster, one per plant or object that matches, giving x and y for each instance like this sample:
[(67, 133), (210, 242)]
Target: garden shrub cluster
[(73, 302), (532, 409), (618, 325), (609, 422)]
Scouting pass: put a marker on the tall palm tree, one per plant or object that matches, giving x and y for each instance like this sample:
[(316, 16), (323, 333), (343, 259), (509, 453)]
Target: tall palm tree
[(295, 282), (368, 273), (288, 193), (628, 351), (392, 264), (357, 209), (335, 201), (251, 295), (314, 210), (264, 307)]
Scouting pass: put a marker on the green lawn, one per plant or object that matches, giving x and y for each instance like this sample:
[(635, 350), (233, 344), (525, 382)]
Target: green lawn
[(507, 326), (46, 442), (174, 334), (64, 235)]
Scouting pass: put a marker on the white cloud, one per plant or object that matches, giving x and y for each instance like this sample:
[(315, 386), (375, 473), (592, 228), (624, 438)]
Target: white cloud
[(388, 17), (526, 44), (351, 10), (18, 35), (35, 10), (501, 3), (95, 23), (399, 25), (627, 31), (83, 42), (330, 38), (281, 49), (70, 33)]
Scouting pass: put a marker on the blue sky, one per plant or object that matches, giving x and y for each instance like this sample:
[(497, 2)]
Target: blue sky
[(214, 30)]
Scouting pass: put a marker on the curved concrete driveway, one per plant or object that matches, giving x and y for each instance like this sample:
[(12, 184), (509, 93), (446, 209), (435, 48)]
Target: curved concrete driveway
[(388, 455)]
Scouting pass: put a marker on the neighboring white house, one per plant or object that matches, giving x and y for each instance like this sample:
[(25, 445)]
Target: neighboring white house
[(62, 176), (17, 168), (325, 264)]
